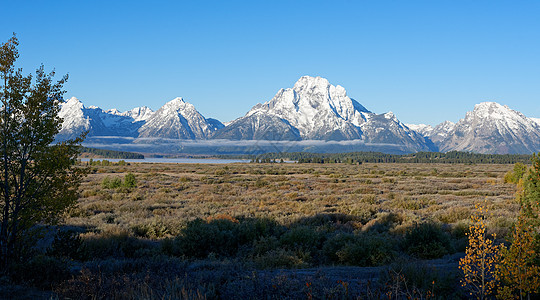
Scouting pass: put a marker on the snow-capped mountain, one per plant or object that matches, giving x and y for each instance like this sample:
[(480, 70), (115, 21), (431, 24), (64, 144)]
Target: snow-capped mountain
[(387, 129), (440, 132), (78, 119), (314, 109), (493, 128), (259, 126), (142, 113), (74, 120), (178, 119), (423, 129)]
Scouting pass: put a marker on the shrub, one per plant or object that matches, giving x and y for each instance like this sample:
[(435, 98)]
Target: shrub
[(281, 258), (302, 237), (414, 279), (367, 250), (66, 243), (335, 243), (109, 183), (152, 230), (117, 244), (427, 241), (222, 236), (250, 229), (41, 271), (384, 222), (130, 181), (516, 174)]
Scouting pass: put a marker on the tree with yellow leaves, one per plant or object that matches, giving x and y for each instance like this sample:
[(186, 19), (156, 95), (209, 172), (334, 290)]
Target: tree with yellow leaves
[(481, 256)]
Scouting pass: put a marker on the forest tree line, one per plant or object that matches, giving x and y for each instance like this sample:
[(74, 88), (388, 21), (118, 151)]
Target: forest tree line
[(378, 157), (112, 153)]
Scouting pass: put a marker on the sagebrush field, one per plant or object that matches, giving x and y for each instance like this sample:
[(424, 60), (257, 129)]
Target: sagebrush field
[(281, 230), (167, 196)]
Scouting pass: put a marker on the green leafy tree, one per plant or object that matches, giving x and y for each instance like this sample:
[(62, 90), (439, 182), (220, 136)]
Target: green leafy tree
[(517, 270), (516, 174), (529, 195), (38, 178)]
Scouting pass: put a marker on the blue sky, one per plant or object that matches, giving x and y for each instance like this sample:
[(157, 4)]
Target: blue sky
[(427, 61)]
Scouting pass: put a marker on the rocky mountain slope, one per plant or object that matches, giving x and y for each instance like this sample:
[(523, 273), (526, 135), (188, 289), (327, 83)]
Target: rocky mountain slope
[(493, 128), (314, 109), (78, 119), (178, 119)]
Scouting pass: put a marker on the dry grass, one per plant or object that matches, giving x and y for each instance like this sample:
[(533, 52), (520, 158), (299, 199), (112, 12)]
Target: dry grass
[(170, 195), (236, 227)]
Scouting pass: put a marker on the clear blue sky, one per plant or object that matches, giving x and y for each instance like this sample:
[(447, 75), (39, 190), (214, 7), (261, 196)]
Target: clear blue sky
[(427, 61)]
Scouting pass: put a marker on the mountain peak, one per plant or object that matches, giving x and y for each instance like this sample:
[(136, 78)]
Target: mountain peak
[(390, 115), (490, 108), (176, 101), (318, 85), (73, 101), (311, 81), (493, 128), (178, 119)]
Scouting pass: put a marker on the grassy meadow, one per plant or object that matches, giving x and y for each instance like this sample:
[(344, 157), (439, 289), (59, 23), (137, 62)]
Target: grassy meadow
[(168, 196), (282, 230)]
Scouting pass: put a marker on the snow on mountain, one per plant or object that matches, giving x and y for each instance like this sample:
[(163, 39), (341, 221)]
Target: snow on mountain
[(142, 113), (74, 120), (493, 128), (440, 132), (387, 129), (178, 119), (259, 126), (423, 129), (317, 109), (78, 119), (314, 109)]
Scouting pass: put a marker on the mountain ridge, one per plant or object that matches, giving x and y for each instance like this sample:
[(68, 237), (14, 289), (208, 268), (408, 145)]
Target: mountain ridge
[(313, 109)]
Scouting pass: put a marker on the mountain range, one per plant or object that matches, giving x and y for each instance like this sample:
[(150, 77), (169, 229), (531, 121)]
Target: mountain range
[(312, 110)]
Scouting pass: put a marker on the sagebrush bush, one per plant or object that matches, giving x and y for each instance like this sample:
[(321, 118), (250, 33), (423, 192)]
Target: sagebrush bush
[(427, 241), (282, 258), (66, 244), (367, 250), (118, 245), (153, 230), (41, 271), (223, 236), (336, 243), (302, 238)]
